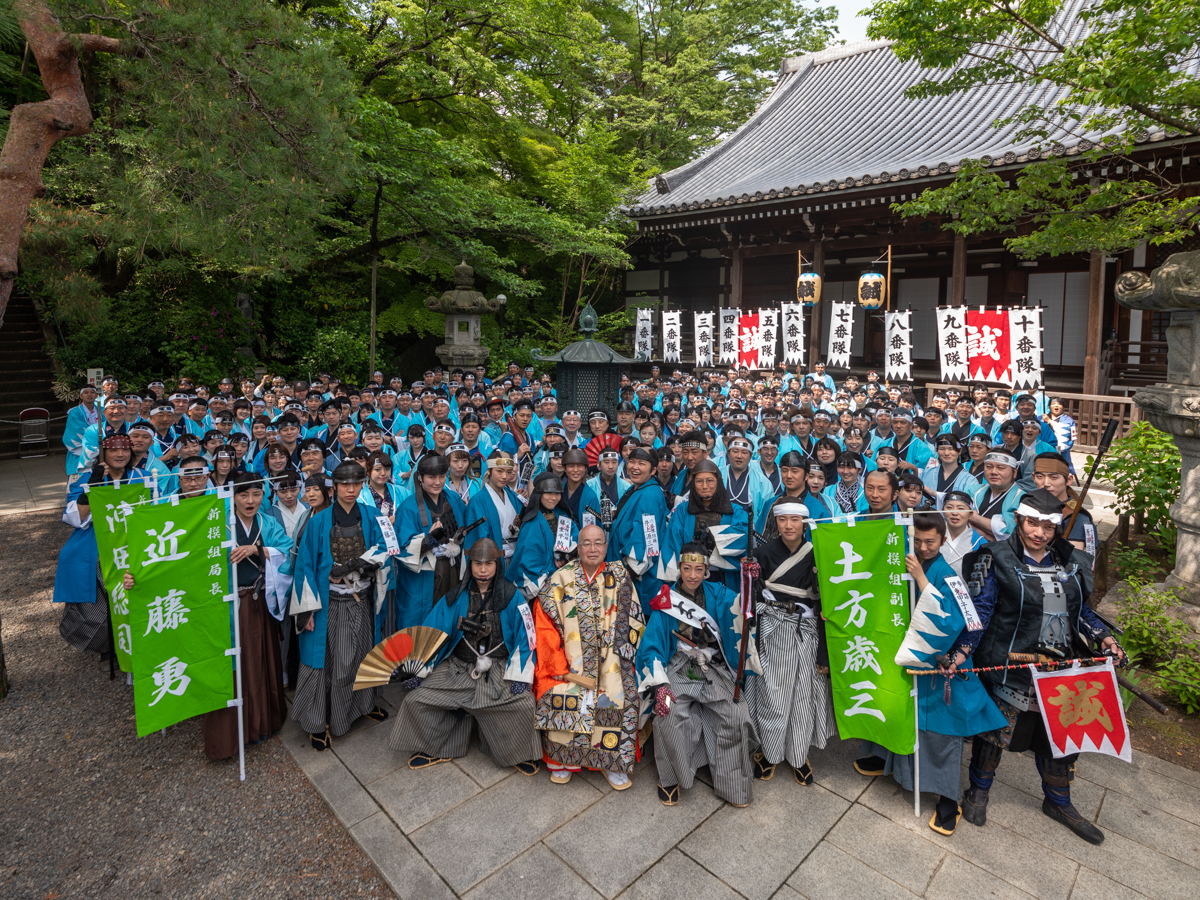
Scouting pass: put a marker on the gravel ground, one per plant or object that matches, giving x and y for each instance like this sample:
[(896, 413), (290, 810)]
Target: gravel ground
[(87, 809)]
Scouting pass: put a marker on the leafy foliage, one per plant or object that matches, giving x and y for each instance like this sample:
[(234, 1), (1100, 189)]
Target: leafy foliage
[(339, 351), (1160, 641), (1143, 467), (1118, 69)]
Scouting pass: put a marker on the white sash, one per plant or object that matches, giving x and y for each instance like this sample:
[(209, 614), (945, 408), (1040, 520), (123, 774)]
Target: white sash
[(389, 535), (562, 539), (650, 529), (527, 618), (689, 613)]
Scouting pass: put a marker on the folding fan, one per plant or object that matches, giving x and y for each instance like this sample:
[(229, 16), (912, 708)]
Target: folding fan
[(409, 648)]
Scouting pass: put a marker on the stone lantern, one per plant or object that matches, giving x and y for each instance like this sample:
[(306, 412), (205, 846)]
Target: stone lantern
[(588, 372), (462, 308), (1174, 406)]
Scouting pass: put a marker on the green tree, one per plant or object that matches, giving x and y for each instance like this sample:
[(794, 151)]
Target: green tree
[(1114, 67)]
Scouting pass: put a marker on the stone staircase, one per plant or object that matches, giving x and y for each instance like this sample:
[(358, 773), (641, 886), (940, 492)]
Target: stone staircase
[(25, 375)]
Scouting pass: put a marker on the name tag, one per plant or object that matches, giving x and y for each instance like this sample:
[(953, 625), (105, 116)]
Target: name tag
[(965, 605), (650, 529), (562, 540), (1089, 541), (588, 519), (389, 535), (527, 618)]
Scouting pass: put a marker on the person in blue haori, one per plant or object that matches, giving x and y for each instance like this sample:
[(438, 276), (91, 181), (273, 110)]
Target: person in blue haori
[(997, 497), (949, 474), (78, 419), (848, 495), (427, 529), (747, 485), (639, 524), (77, 581), (1030, 448), (913, 454), (341, 576), (112, 421), (1064, 429), (707, 514), (961, 538), (481, 675), (548, 538), (607, 485), (497, 504), (949, 708), (578, 496), (687, 665)]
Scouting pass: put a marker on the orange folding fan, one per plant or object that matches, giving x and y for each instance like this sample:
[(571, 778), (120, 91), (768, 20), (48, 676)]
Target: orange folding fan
[(409, 648)]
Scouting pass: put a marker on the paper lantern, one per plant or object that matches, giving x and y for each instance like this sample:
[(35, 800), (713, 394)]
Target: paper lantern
[(808, 288), (872, 290)]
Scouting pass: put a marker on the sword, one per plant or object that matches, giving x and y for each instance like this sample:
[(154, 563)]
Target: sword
[(750, 570)]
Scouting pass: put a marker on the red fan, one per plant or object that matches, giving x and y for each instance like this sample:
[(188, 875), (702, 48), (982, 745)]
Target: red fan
[(408, 647)]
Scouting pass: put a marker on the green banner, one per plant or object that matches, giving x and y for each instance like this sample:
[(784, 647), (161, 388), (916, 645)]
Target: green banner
[(178, 611), (111, 506), (864, 599)]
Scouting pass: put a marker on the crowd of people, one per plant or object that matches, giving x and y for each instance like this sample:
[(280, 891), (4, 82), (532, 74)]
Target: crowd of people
[(586, 564)]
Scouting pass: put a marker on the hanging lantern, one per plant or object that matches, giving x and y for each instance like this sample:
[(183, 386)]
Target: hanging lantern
[(872, 290), (808, 288)]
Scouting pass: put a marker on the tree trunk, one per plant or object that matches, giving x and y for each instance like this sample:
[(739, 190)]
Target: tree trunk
[(374, 265), (3, 672), (34, 128)]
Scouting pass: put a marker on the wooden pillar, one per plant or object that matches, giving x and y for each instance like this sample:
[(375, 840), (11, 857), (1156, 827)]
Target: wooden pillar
[(1095, 324), (735, 279), (814, 331), (958, 277)]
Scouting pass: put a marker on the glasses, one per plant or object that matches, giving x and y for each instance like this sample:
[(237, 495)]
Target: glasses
[(593, 544)]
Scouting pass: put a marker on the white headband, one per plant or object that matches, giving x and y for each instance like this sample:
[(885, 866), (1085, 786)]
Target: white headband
[(1001, 458), (790, 509), (1030, 513)]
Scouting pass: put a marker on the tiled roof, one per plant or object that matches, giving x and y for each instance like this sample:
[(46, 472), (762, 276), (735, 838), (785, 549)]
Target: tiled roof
[(839, 119)]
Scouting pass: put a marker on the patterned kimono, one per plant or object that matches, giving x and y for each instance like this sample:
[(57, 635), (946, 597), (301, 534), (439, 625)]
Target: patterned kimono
[(585, 682)]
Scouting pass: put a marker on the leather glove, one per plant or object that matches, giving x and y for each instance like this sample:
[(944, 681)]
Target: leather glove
[(339, 570), (363, 566), (664, 699), (517, 687)]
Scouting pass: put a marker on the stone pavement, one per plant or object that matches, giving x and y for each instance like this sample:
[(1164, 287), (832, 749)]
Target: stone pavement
[(468, 829), (30, 485)]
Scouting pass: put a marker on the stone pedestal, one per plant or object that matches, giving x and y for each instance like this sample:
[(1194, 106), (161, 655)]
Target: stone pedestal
[(462, 307)]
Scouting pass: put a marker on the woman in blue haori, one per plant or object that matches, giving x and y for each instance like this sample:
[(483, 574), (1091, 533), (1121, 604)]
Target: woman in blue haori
[(426, 525), (342, 575), (497, 504), (949, 474), (548, 537), (480, 675), (639, 525), (707, 513), (687, 664), (847, 496), (78, 419), (77, 582)]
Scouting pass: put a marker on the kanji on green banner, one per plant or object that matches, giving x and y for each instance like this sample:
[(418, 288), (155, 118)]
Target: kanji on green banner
[(111, 507), (178, 611), (864, 599)]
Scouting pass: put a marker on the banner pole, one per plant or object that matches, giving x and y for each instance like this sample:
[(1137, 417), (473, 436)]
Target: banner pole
[(237, 645), (912, 609)]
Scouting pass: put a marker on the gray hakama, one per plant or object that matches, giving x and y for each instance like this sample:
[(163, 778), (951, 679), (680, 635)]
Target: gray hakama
[(85, 625), (327, 695), (790, 704), (941, 763), (436, 718), (705, 728)]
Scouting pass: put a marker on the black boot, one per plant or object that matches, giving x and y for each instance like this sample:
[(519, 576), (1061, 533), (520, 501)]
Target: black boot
[(871, 766), (1057, 775), (985, 757)]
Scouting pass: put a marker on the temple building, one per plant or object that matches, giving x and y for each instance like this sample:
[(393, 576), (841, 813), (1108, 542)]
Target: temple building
[(815, 171)]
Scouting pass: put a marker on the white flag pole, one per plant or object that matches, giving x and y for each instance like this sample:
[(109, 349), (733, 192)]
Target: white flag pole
[(912, 608), (236, 651)]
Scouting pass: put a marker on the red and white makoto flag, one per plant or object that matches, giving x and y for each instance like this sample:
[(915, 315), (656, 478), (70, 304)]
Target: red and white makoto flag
[(1081, 709)]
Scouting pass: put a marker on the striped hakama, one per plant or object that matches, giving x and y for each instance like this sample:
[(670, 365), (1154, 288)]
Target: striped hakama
[(791, 705), (436, 718), (941, 763), (327, 696), (85, 625), (705, 728)]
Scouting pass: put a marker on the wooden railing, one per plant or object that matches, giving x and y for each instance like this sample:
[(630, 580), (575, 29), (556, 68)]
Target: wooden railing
[(1127, 365), (1091, 413)]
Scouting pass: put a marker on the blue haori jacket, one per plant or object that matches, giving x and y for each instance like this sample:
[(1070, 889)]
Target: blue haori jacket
[(78, 420), (533, 558), (75, 578), (518, 630), (730, 536), (483, 506), (627, 538), (659, 642), (414, 570), (310, 586), (937, 621), (277, 575)]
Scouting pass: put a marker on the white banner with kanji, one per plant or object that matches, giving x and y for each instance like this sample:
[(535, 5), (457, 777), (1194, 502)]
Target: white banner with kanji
[(841, 334), (671, 337), (644, 334), (729, 336), (793, 334), (899, 346), (704, 338), (952, 343), (768, 324), (1025, 335)]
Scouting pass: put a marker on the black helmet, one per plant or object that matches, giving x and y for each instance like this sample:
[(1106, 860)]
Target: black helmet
[(548, 483), (484, 550), (347, 472), (432, 464), (575, 457)]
